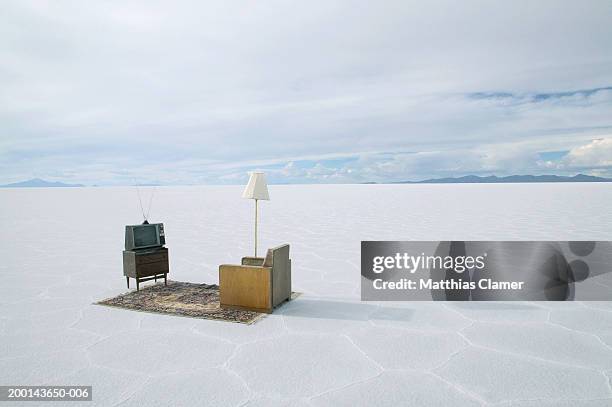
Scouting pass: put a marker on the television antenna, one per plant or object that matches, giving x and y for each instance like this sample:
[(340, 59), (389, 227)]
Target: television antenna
[(145, 216)]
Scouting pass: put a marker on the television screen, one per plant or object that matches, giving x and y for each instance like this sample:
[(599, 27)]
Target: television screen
[(145, 235)]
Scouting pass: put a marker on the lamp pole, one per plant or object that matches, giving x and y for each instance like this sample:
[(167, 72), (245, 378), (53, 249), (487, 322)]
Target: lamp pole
[(256, 227)]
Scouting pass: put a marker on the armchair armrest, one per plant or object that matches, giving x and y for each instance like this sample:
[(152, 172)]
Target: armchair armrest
[(242, 268), (247, 287)]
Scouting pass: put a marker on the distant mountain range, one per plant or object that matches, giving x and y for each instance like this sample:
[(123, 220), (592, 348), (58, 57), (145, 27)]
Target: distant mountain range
[(468, 179), (475, 179), (39, 183)]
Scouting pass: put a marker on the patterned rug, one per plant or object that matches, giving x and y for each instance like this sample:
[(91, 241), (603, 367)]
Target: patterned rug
[(183, 299)]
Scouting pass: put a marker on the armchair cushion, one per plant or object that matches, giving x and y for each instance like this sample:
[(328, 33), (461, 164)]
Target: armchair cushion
[(252, 261)]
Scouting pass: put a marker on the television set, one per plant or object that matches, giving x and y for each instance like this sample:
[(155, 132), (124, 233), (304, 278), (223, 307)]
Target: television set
[(145, 236)]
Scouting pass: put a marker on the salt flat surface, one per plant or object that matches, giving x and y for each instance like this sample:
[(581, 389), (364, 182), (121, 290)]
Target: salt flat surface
[(61, 251)]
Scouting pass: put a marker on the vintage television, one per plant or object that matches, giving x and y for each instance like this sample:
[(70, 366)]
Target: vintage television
[(145, 236)]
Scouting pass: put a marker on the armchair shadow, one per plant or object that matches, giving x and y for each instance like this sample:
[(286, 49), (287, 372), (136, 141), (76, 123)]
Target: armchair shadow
[(343, 310)]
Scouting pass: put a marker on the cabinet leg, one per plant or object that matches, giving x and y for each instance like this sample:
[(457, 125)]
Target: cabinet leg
[(156, 278), (128, 281), (137, 284), (166, 279)]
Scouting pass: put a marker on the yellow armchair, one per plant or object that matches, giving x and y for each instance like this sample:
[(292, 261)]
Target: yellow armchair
[(257, 284)]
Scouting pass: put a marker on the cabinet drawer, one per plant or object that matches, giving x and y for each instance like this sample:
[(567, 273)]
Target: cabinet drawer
[(152, 258), (151, 269)]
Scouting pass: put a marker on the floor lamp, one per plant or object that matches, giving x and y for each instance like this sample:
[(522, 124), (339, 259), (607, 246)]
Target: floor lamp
[(256, 189)]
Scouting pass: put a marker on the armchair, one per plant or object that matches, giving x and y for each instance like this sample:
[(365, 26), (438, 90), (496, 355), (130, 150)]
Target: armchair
[(258, 284)]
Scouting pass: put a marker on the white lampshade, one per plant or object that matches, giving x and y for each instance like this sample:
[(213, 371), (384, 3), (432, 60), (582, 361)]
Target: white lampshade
[(257, 188)]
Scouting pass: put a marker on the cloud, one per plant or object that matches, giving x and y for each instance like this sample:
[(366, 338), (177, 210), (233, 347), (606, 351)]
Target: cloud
[(192, 92), (566, 96), (596, 154), (593, 158)]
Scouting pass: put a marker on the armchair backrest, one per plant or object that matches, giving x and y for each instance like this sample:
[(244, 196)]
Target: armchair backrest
[(281, 273), (277, 255)]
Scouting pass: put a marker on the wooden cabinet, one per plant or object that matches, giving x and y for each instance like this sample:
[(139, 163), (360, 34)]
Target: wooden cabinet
[(145, 265)]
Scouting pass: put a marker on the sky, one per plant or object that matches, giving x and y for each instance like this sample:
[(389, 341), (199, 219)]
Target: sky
[(181, 92)]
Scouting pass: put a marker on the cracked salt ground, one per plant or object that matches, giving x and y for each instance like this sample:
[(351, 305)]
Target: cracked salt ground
[(326, 348)]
